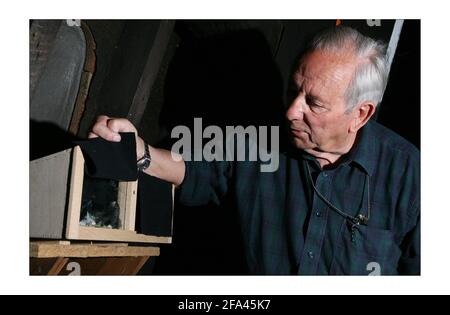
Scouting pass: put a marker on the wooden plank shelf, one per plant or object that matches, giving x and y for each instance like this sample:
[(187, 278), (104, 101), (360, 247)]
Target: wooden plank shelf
[(77, 258)]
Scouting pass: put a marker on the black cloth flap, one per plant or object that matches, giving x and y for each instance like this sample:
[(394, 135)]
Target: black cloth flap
[(111, 160), (154, 215)]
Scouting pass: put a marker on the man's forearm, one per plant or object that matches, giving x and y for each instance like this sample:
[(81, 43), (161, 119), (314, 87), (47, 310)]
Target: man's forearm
[(165, 167)]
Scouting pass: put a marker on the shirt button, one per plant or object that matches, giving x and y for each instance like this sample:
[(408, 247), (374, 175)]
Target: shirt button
[(318, 214), (325, 175), (311, 255)]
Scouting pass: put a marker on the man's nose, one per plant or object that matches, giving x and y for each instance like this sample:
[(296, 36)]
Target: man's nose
[(296, 109)]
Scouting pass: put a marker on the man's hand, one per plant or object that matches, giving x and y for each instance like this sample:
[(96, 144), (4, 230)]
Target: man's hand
[(163, 164), (109, 128)]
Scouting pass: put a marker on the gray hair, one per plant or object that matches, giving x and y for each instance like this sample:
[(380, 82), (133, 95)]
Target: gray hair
[(371, 75)]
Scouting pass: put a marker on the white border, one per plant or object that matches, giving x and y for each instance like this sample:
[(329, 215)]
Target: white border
[(435, 151)]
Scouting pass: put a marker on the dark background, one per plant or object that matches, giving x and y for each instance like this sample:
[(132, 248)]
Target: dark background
[(228, 72)]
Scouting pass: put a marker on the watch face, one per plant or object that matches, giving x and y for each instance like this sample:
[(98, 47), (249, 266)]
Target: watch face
[(144, 164)]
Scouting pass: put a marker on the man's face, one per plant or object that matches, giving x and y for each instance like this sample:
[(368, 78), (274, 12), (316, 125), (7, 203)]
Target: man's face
[(317, 116)]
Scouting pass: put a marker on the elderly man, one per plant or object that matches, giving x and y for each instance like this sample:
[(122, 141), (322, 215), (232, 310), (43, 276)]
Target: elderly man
[(344, 201)]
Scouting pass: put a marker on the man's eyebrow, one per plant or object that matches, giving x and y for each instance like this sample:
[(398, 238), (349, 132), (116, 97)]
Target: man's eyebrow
[(316, 98), (295, 84)]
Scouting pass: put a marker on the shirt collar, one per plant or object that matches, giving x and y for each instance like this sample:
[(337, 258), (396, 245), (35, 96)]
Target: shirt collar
[(362, 152)]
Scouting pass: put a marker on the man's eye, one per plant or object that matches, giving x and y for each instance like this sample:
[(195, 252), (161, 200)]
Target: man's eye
[(317, 108), (311, 102)]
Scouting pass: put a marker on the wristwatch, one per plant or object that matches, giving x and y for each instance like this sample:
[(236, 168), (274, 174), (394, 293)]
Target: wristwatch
[(144, 162)]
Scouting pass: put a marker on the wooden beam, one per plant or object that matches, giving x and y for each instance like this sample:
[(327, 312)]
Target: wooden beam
[(120, 266), (43, 250), (47, 266), (58, 266), (150, 72), (85, 81)]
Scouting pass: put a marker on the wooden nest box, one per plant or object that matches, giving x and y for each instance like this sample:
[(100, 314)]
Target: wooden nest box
[(58, 204)]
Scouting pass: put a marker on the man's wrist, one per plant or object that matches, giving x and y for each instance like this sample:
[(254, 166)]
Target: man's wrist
[(140, 148), (144, 162)]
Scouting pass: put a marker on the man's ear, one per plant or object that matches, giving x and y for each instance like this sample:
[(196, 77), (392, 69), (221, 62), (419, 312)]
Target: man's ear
[(362, 114)]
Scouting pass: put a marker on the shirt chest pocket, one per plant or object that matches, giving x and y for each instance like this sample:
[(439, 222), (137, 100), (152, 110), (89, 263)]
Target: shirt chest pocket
[(365, 250)]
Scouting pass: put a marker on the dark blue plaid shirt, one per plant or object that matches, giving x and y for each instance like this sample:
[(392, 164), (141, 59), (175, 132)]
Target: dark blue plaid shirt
[(288, 229)]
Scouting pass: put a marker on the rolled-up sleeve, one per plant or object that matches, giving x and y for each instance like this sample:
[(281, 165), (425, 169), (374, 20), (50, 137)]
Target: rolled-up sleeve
[(204, 182)]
